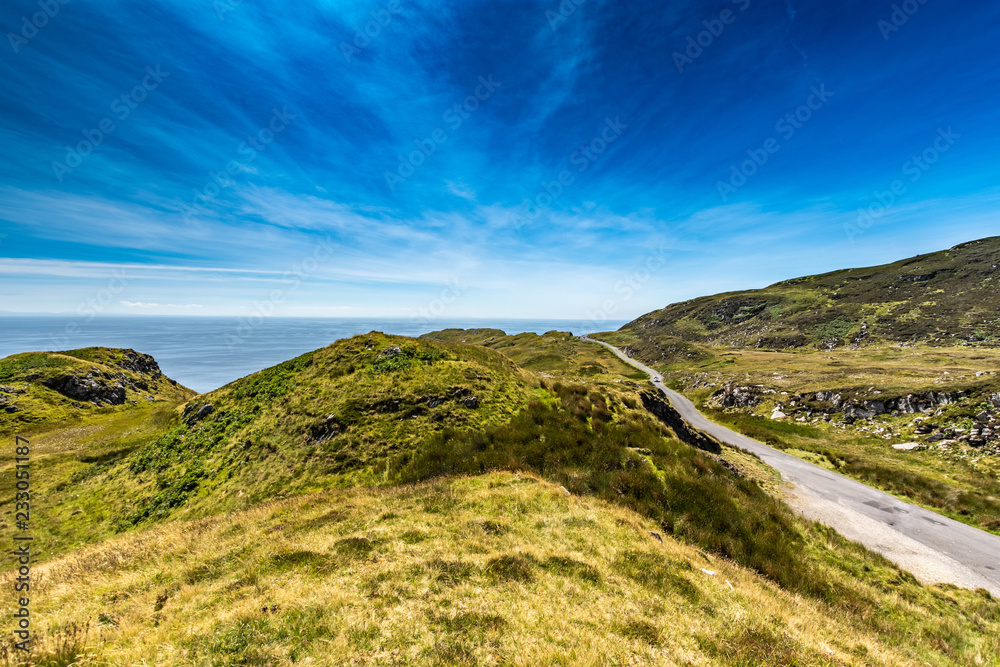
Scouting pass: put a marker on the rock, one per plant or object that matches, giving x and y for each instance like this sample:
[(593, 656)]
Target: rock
[(326, 430), (194, 413), (855, 412), (471, 402), (731, 396), (778, 414), (907, 446), (666, 413), (877, 407), (142, 364), (96, 389), (390, 352), (830, 397)]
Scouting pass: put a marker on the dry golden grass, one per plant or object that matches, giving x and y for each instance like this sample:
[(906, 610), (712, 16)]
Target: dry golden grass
[(887, 368), (497, 569)]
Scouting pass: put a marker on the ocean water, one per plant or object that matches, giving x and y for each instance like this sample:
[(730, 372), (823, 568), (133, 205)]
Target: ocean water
[(205, 353)]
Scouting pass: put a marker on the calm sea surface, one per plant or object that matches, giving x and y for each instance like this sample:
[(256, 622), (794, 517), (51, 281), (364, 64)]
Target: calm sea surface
[(204, 353)]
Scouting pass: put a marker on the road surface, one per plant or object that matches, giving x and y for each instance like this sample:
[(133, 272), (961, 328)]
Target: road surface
[(934, 548)]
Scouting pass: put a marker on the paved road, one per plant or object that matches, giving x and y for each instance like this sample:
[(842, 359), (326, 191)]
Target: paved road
[(933, 547)]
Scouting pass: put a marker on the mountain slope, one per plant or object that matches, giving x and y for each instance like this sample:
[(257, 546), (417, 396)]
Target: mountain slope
[(943, 298)]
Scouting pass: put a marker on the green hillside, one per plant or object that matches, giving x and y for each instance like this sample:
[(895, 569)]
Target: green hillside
[(331, 417), (40, 389), (942, 298), (555, 354), (388, 500), (495, 569)]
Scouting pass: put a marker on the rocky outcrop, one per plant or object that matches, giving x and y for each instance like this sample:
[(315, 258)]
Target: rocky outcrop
[(96, 387), (106, 387), (910, 404), (669, 416), (140, 363), (733, 396), (195, 412)]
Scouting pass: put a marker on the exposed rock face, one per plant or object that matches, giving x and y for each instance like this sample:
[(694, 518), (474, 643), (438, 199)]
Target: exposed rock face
[(194, 413), (732, 396), (864, 408), (142, 364), (98, 388), (830, 397), (669, 416)]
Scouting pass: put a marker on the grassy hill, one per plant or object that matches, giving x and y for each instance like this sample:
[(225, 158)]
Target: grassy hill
[(390, 500), (941, 298), (41, 389), (553, 354), (331, 417), (500, 568)]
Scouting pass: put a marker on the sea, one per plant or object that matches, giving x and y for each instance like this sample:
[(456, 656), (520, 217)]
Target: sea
[(205, 353)]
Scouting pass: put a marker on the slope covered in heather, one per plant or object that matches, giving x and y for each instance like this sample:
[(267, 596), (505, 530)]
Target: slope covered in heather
[(941, 298)]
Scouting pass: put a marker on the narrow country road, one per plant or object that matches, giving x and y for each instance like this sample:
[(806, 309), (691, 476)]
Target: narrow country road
[(934, 548)]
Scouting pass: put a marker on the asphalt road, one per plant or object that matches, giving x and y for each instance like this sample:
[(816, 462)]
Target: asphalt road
[(934, 548)]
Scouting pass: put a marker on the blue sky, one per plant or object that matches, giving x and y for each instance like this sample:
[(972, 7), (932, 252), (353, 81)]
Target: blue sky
[(478, 159)]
